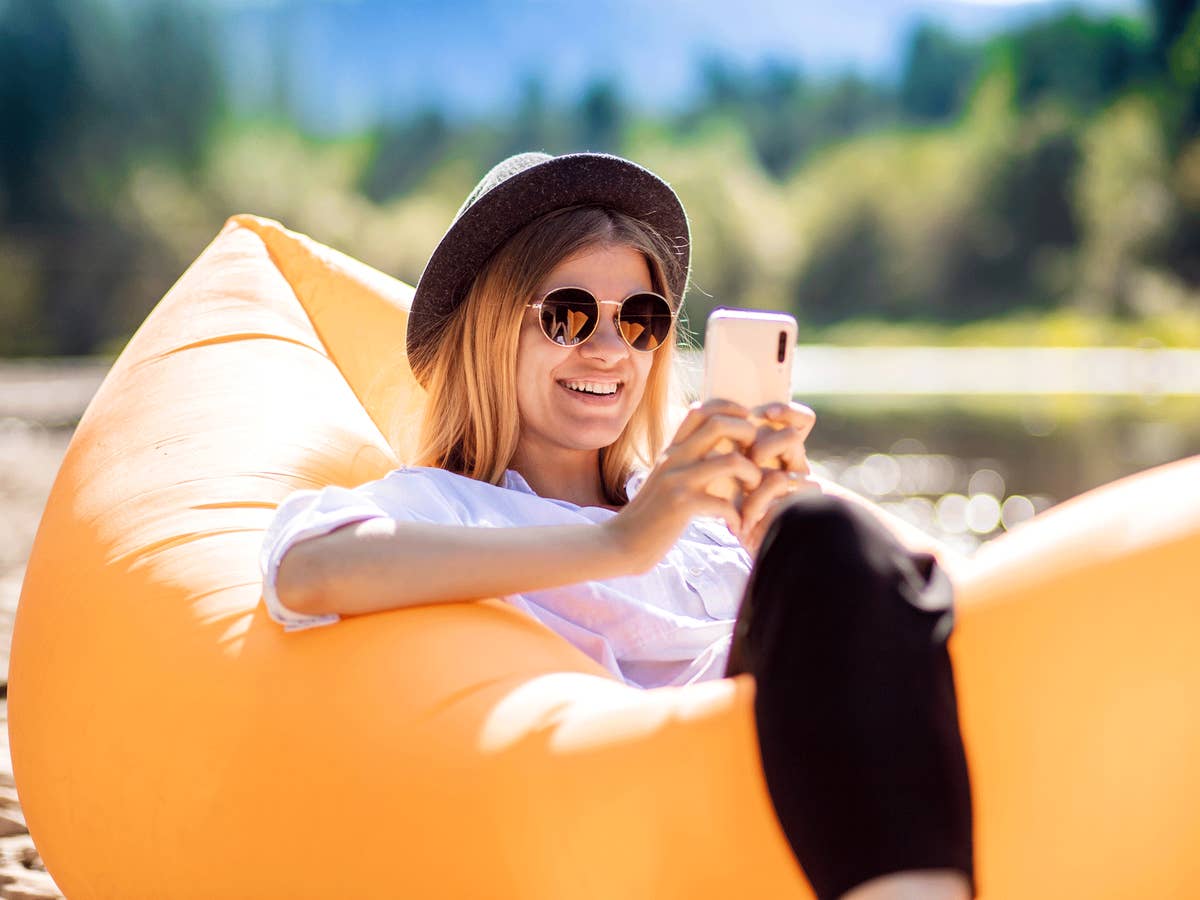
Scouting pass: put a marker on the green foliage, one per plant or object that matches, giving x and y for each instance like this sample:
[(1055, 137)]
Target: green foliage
[(1175, 51), (957, 225), (936, 76), (787, 117), (1059, 328), (1125, 203), (601, 117), (1022, 221), (88, 94), (1170, 20), (742, 236), (403, 152), (1076, 59), (1042, 186)]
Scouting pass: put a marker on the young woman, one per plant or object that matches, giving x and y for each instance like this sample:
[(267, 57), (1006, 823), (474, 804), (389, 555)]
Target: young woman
[(544, 330)]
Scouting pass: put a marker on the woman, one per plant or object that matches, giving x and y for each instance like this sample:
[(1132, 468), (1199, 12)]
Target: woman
[(543, 329)]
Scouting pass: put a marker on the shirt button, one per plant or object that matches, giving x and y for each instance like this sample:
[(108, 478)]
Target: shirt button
[(696, 570)]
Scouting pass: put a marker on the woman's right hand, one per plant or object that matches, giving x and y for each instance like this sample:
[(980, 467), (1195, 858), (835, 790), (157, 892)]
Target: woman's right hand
[(676, 490)]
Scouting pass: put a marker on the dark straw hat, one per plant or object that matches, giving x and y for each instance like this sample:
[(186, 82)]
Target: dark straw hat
[(519, 190)]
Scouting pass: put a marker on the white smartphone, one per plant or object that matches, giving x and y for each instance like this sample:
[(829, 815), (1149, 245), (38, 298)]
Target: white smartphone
[(747, 359), (748, 356)]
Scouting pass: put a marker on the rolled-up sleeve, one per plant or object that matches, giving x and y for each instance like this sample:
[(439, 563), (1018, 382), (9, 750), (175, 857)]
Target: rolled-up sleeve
[(303, 515), (407, 494)]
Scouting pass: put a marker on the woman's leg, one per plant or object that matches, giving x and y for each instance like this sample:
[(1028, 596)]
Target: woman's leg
[(845, 633)]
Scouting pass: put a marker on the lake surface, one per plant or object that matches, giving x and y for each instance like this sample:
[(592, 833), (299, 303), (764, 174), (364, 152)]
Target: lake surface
[(965, 468), (962, 442), (965, 442)]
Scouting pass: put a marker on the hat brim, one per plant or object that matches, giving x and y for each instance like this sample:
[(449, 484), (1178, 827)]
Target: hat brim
[(480, 230)]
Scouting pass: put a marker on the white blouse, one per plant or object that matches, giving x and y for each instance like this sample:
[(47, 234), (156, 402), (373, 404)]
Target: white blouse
[(669, 626)]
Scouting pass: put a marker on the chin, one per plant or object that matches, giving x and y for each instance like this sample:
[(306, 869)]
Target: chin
[(592, 440)]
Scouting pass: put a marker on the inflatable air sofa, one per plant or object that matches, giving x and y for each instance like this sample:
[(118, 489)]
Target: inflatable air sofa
[(170, 740)]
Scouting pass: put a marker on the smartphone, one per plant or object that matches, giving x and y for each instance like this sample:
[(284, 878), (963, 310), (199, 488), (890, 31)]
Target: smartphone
[(747, 359)]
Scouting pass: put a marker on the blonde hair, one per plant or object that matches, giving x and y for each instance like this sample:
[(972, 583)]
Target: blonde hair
[(471, 424)]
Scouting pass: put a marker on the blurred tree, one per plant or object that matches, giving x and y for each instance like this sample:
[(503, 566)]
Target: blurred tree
[(88, 92), (1125, 202), (722, 85), (851, 105), (1080, 60), (536, 124), (403, 154), (531, 123), (1180, 251), (847, 275), (179, 83), (1024, 223), (1171, 20), (776, 121), (600, 122), (41, 92), (799, 188), (950, 225), (786, 116), (936, 75), (281, 101), (1176, 55), (1177, 58)]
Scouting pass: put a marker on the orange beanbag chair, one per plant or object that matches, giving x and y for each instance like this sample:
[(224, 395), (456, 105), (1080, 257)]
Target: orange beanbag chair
[(170, 740)]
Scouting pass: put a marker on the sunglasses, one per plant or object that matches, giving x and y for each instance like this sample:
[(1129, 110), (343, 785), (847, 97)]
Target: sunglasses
[(569, 316)]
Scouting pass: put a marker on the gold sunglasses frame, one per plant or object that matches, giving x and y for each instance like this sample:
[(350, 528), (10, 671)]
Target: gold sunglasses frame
[(537, 306)]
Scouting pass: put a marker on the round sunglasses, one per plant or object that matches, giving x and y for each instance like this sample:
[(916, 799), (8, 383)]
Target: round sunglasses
[(569, 316)]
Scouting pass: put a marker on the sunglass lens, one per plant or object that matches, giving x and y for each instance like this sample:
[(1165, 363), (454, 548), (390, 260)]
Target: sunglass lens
[(645, 321), (569, 316)]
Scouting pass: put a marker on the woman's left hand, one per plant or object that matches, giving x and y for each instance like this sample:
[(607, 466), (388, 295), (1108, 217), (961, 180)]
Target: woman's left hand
[(780, 452)]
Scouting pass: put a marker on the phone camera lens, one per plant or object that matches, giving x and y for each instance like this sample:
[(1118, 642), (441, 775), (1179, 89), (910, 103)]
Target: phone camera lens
[(782, 354)]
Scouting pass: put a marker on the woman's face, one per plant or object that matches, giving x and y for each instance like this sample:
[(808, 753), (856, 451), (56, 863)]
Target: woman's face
[(552, 414)]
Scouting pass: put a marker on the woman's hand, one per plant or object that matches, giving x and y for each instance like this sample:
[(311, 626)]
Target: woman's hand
[(675, 491), (779, 451)]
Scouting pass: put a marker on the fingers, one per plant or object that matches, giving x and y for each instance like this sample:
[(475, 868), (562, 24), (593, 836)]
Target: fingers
[(779, 443), (719, 508), (774, 485), (699, 413), (685, 487), (795, 415), (705, 437), (700, 456), (763, 504), (779, 448), (725, 465)]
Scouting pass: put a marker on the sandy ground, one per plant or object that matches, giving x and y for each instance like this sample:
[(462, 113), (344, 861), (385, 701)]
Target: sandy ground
[(30, 455), (39, 404)]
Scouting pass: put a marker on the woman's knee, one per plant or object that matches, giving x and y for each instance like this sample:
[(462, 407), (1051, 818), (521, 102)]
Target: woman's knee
[(830, 573), (819, 531)]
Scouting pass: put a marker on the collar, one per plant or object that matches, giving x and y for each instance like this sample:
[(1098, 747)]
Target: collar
[(514, 481)]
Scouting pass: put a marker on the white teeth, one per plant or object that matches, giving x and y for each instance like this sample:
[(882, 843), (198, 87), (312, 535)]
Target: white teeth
[(590, 387)]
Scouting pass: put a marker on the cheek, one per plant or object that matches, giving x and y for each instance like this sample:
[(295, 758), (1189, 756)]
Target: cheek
[(534, 366), (643, 370)]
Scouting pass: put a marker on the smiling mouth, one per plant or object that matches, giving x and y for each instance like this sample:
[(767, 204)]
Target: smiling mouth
[(593, 389)]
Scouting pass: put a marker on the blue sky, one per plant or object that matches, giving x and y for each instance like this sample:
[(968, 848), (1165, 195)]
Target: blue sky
[(349, 59)]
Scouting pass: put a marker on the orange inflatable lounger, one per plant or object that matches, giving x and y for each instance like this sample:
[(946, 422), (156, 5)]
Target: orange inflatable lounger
[(170, 740)]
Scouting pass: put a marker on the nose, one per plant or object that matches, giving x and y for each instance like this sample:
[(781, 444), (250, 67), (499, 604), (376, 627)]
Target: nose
[(606, 342)]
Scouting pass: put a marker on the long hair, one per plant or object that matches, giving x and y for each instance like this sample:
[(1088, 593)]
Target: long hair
[(471, 423)]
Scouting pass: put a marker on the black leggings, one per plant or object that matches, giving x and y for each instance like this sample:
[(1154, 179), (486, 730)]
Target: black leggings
[(845, 633)]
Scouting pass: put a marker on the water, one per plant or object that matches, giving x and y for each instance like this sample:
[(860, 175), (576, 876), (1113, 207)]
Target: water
[(968, 442), (961, 448), (968, 468)]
